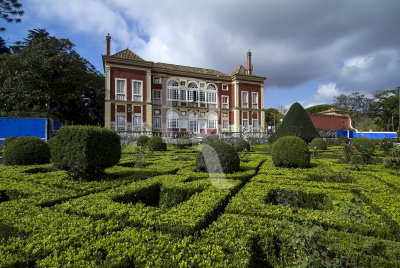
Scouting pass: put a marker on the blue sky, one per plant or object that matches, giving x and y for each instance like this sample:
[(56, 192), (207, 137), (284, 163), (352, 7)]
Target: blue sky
[(310, 50)]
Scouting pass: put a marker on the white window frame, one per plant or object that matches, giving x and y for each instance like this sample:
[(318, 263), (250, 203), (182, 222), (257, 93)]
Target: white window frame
[(225, 121), (173, 122), (182, 94), (213, 122), (255, 124), (156, 120), (247, 123), (119, 117), (182, 83), (254, 105), (137, 121), (155, 78), (225, 87), (116, 89), (154, 95), (202, 96), (245, 104), (140, 99), (202, 84), (211, 97), (225, 105)]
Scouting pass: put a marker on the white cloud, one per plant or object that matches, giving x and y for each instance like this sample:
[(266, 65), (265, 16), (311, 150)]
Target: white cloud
[(324, 94), (293, 43), (358, 62)]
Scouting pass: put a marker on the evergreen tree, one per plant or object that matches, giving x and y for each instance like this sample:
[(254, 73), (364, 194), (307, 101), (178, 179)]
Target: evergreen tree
[(296, 123)]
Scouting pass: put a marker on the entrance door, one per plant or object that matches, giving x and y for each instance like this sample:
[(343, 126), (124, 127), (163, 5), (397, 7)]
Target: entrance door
[(193, 123)]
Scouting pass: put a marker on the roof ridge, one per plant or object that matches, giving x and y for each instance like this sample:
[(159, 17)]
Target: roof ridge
[(127, 54)]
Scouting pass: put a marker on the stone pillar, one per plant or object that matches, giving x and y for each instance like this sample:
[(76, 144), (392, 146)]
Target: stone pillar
[(149, 108), (107, 99), (262, 117)]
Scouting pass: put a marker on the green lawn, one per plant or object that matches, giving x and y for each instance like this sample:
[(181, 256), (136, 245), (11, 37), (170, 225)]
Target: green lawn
[(166, 215)]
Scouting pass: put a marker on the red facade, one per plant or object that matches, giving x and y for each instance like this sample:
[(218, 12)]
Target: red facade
[(322, 121)]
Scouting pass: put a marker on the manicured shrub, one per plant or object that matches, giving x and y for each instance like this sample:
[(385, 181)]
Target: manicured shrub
[(183, 142), (319, 143), (386, 145), (26, 151), (393, 160), (241, 145), (156, 144), (7, 141), (85, 150), (365, 147), (343, 140), (296, 123), (290, 152), (142, 141), (221, 157)]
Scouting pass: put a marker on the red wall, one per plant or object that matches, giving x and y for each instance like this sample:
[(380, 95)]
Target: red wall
[(129, 75), (321, 121)]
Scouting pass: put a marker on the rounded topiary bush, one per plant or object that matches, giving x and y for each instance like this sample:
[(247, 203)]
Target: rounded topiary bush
[(85, 150), (217, 157), (290, 152), (156, 144), (365, 146), (142, 141), (26, 151), (241, 145), (319, 143), (6, 141)]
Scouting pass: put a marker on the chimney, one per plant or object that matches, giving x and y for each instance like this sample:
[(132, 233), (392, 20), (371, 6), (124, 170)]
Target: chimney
[(108, 45), (249, 70)]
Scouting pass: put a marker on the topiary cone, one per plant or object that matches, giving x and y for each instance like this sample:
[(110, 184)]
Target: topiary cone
[(296, 123)]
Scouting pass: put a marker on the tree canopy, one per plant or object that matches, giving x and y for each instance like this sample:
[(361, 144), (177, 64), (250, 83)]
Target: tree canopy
[(273, 117), (10, 10), (318, 108), (296, 123), (47, 75)]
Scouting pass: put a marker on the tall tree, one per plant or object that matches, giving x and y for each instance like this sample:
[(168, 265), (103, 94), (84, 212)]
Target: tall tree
[(10, 10), (273, 117), (48, 75), (385, 109), (356, 103)]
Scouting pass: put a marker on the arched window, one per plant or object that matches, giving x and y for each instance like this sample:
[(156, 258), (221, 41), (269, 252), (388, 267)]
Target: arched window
[(192, 92), (211, 87), (172, 119), (211, 94), (172, 90), (172, 83), (212, 121), (192, 85)]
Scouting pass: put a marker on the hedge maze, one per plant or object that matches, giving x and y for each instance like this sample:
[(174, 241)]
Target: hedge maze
[(167, 215)]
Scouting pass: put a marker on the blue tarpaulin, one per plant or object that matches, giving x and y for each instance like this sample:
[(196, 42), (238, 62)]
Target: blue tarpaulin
[(20, 127), (369, 135)]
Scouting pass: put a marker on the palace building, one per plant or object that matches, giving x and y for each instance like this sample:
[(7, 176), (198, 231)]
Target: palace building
[(160, 98)]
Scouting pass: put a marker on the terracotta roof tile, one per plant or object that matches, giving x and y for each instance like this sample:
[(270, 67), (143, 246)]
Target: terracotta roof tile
[(239, 70), (187, 69), (127, 54)]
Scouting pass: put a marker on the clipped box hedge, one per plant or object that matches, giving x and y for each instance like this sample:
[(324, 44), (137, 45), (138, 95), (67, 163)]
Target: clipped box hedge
[(85, 150)]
